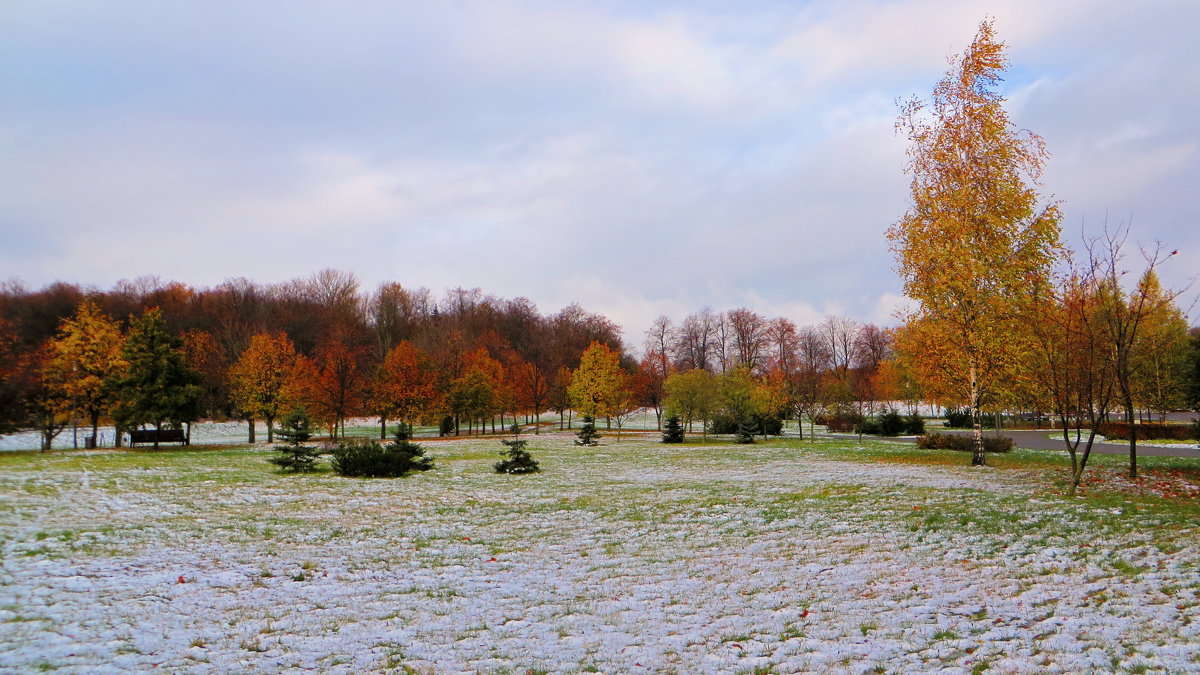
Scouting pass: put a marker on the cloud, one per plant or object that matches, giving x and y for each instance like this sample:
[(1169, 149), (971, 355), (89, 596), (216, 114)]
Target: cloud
[(640, 158)]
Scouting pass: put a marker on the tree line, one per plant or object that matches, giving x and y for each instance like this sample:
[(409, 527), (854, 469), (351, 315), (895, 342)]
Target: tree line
[(248, 351)]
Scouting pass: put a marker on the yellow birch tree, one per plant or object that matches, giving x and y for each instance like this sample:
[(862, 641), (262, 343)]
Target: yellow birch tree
[(974, 240)]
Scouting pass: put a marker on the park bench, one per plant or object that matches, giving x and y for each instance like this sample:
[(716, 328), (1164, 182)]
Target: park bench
[(156, 436)]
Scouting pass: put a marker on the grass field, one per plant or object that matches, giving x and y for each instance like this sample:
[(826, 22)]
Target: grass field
[(635, 556)]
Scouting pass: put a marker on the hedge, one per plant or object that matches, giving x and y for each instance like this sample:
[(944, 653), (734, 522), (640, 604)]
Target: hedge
[(1150, 432), (963, 443)]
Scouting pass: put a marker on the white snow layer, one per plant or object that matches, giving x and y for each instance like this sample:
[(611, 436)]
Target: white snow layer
[(627, 558)]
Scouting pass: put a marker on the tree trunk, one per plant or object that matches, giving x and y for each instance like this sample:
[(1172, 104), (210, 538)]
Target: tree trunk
[(1077, 475), (270, 429), (382, 428), (1132, 437), (157, 433), (250, 429), (977, 458)]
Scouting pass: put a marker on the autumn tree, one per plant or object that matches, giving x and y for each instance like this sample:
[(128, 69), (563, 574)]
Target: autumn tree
[(475, 394), (203, 354), (337, 390), (531, 387), (560, 397), (1161, 352), (405, 388), (43, 403), (11, 395), (88, 351), (1193, 377), (1071, 362), (1125, 314), (261, 380), (805, 384), (694, 396), (158, 386), (646, 386), (655, 366), (598, 385), (975, 239)]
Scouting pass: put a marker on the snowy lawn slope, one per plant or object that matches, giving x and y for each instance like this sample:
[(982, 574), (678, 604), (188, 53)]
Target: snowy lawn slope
[(631, 557)]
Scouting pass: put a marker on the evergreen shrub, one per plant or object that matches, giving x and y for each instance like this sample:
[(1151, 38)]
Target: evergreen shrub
[(517, 459), (295, 456), (673, 433), (587, 433), (367, 458), (727, 424)]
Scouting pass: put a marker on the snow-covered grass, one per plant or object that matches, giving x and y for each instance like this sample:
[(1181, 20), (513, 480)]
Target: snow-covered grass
[(634, 556)]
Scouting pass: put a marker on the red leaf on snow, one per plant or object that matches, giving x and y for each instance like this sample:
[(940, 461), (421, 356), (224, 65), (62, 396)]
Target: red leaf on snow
[(182, 580)]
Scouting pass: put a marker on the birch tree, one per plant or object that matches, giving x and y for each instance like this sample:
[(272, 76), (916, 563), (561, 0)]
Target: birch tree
[(975, 238)]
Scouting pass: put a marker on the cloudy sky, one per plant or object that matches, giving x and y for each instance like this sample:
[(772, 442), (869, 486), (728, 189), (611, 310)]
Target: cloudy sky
[(637, 157)]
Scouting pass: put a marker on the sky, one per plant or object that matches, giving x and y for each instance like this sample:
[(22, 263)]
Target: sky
[(639, 158)]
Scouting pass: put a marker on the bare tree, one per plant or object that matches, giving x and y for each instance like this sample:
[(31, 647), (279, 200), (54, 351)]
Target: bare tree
[(749, 332), (841, 338)]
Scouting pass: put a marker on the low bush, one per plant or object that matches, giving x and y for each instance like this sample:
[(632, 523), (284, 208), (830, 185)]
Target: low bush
[(960, 418), (891, 423), (869, 426), (1151, 431), (727, 424), (840, 422), (363, 458), (962, 443)]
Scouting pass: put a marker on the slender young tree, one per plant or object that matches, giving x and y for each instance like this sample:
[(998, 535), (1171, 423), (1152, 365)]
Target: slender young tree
[(975, 240), (88, 351)]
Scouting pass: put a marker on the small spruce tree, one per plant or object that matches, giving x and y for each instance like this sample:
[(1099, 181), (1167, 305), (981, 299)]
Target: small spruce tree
[(517, 459), (673, 433), (747, 427), (295, 456), (587, 433)]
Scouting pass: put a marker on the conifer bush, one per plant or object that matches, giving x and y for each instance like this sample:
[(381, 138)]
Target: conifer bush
[(673, 433), (914, 425), (891, 424), (747, 428), (367, 458), (295, 456), (517, 459), (587, 433)]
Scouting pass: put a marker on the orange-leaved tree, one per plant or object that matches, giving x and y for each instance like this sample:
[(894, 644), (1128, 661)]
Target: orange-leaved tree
[(337, 390), (260, 380), (405, 387), (975, 240)]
